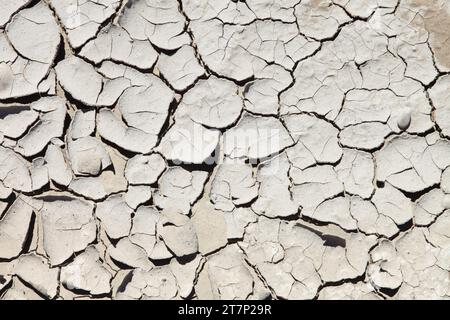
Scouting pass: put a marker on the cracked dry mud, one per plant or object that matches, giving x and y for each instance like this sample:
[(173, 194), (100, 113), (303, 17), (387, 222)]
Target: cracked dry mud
[(224, 149)]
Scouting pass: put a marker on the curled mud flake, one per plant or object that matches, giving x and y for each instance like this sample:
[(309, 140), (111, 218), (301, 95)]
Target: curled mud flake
[(36, 271), (8, 8), (261, 94), (15, 120), (214, 103), (83, 124), (129, 254), (369, 220), (87, 273), (104, 86), (15, 171), (178, 233), (243, 52), (313, 186), (336, 211), (15, 225), (88, 156), (439, 234), (234, 184), (210, 226), (82, 19), (294, 259), (160, 22), (52, 114), (68, 227), (107, 182), (393, 204), (237, 222), (274, 196), (365, 136), (429, 206), (143, 106), (353, 259), (256, 138), (143, 232), (185, 274), (72, 74), (20, 291), (385, 270), (158, 283), (144, 170), (368, 117), (181, 69), (114, 43), (423, 266), (189, 142), (419, 62), (318, 136), (29, 46), (115, 216), (408, 163), (228, 274), (137, 195), (114, 130), (37, 20), (356, 170), (179, 189), (321, 81)]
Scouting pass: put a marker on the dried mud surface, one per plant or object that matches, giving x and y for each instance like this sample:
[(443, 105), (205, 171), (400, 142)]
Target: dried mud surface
[(224, 149)]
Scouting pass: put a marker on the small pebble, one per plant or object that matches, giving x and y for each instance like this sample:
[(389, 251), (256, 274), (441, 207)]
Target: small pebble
[(404, 119)]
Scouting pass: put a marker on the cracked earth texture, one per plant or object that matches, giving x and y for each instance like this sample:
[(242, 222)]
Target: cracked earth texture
[(224, 149)]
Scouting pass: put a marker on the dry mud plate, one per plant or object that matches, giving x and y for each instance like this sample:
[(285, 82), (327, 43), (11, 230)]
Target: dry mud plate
[(223, 149)]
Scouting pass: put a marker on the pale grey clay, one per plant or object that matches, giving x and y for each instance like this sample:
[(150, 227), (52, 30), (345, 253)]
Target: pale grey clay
[(223, 149)]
